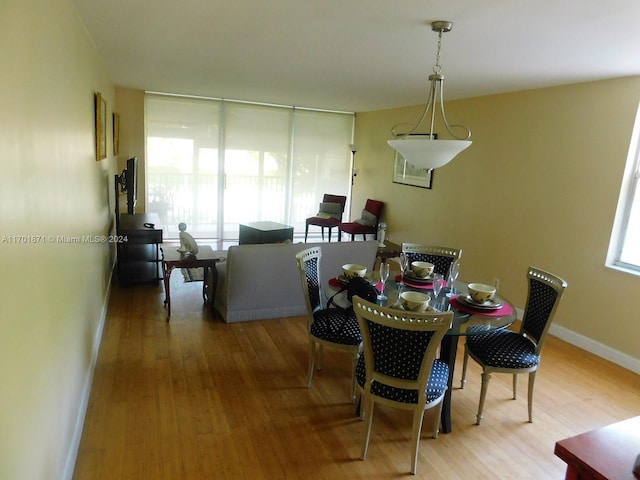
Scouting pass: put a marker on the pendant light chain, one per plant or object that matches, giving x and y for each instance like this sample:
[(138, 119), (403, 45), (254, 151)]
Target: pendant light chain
[(437, 68), (426, 150)]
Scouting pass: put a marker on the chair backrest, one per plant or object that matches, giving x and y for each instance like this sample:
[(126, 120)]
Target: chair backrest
[(399, 346), (545, 291), (441, 257), (341, 199), (374, 207), (309, 265)]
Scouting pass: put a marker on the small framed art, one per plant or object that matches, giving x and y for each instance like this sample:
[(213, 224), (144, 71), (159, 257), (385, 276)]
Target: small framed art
[(406, 173), (101, 127), (116, 133)]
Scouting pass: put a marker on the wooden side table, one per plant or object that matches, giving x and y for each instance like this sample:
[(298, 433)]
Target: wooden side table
[(206, 259), (390, 250), (607, 453)]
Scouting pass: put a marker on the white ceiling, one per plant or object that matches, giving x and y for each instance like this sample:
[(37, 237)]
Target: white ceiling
[(359, 55)]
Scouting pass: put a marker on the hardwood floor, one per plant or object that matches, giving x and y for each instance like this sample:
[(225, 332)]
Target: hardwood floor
[(200, 399)]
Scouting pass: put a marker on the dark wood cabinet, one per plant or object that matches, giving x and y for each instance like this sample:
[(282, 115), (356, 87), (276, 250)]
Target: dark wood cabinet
[(139, 239)]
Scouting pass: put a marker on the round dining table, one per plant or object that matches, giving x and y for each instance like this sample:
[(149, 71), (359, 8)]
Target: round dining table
[(467, 319)]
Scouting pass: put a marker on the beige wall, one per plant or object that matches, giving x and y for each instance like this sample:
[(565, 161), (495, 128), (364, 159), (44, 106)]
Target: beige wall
[(539, 186), (545, 164), (132, 141), (52, 294)]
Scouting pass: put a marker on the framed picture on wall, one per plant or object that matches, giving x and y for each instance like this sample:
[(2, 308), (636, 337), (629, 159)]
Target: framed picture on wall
[(101, 127), (406, 173), (116, 133)]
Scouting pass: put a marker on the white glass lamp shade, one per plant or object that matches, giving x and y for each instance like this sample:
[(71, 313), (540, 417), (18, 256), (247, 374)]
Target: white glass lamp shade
[(428, 153)]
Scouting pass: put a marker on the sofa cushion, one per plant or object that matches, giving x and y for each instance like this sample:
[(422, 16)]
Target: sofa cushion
[(330, 210), (367, 219), (262, 281)]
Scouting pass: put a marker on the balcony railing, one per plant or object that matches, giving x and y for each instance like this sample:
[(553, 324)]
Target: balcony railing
[(193, 199)]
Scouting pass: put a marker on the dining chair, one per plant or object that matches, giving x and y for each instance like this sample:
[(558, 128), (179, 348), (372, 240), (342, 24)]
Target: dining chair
[(398, 366), (367, 224), (332, 327), (441, 257), (329, 214), (507, 351)]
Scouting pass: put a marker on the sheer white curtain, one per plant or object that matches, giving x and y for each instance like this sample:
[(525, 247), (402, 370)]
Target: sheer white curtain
[(214, 164), (322, 162)]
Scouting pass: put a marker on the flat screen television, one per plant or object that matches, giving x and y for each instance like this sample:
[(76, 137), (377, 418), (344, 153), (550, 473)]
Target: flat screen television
[(131, 180), (128, 182)]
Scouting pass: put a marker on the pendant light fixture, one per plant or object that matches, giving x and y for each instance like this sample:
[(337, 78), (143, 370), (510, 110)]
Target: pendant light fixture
[(425, 150)]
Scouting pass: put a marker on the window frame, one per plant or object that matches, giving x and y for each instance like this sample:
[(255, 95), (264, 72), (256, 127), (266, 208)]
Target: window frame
[(322, 147), (630, 188)]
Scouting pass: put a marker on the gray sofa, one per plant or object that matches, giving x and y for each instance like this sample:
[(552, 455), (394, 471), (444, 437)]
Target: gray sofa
[(262, 281)]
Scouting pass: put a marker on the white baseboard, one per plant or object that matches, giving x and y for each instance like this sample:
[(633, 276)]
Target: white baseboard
[(74, 447), (597, 348)]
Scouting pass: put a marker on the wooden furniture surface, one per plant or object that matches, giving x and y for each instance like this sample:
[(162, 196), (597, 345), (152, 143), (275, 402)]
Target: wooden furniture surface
[(264, 232), (206, 258), (138, 250), (390, 250), (607, 453)]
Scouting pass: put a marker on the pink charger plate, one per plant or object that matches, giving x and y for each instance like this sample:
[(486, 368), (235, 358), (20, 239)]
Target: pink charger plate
[(505, 309)]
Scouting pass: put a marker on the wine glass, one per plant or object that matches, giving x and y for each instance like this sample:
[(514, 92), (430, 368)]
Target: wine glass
[(438, 283), (398, 303), (404, 263), (454, 270), (384, 275)]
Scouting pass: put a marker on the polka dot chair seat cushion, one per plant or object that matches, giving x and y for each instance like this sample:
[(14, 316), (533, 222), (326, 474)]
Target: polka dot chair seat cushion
[(336, 326), (504, 349), (436, 386)]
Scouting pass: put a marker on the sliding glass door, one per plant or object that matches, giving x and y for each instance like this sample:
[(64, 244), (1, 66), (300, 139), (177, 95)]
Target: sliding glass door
[(182, 164), (214, 164), (321, 162), (256, 164)]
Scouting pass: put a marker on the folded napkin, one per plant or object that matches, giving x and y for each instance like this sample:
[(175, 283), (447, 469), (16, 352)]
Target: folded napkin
[(505, 309)]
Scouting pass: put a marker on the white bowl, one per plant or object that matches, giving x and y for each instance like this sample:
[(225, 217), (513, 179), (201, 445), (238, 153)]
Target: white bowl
[(414, 301), (480, 293), (351, 270), (422, 269)]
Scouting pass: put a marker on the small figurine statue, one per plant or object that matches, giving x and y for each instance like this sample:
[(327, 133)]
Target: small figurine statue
[(382, 231), (188, 244)]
